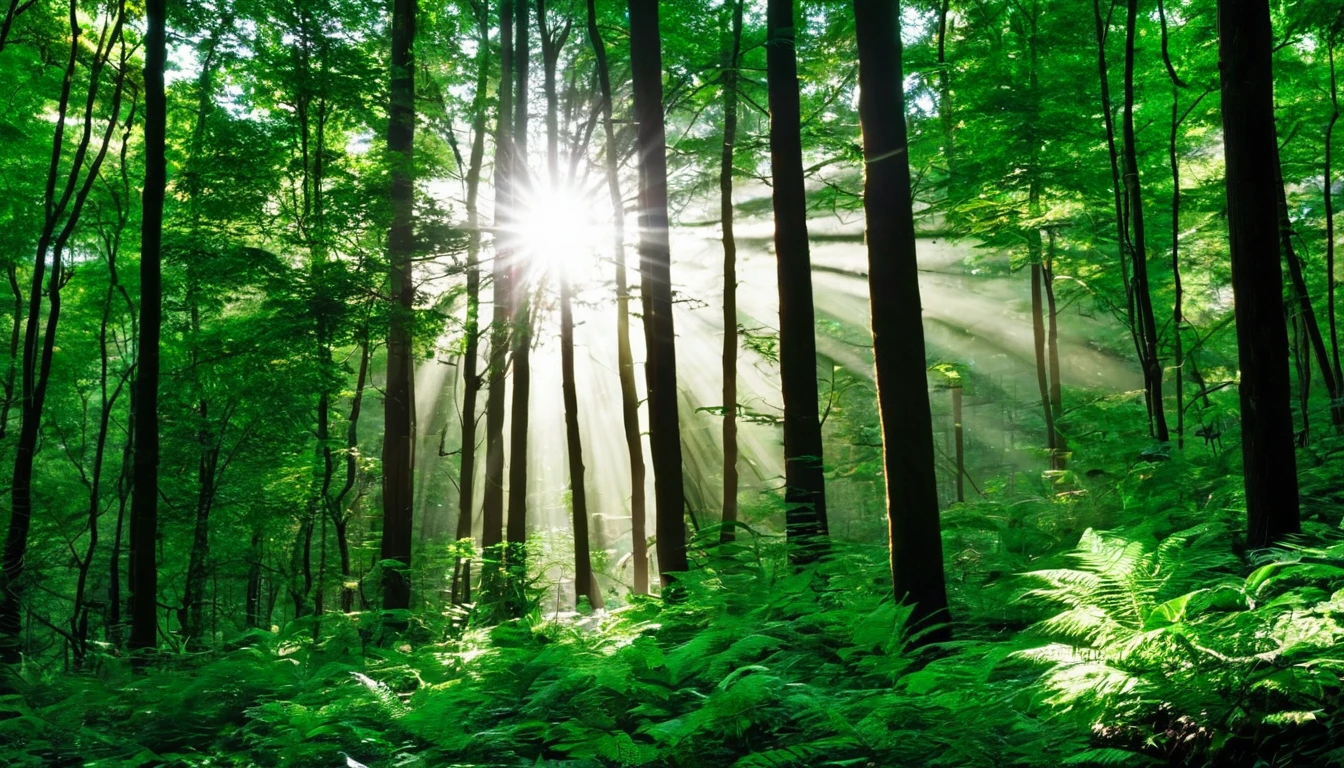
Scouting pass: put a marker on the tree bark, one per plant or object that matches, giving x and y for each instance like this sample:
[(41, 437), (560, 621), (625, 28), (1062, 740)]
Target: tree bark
[(625, 363), (731, 54), (898, 333), (471, 380), (520, 350), (399, 404), (805, 484), (646, 69), (1152, 365), (1249, 145), (492, 505), (144, 501)]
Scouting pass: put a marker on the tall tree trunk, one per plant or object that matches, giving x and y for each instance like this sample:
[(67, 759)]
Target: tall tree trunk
[(399, 404), (471, 380), (520, 351), (1103, 25), (252, 598), (624, 356), (898, 331), (144, 501), (1152, 364), (492, 505), (655, 251), (731, 54), (1249, 146), (804, 479), (1338, 409)]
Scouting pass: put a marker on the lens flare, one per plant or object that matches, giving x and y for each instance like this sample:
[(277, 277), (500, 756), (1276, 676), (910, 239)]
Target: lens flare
[(556, 230)]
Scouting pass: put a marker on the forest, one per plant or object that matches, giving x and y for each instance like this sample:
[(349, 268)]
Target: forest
[(682, 384)]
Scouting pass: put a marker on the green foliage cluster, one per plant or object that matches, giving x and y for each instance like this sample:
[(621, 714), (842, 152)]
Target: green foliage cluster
[(1153, 642)]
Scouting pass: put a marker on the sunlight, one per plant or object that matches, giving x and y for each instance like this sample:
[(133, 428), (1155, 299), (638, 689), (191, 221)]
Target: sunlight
[(556, 230)]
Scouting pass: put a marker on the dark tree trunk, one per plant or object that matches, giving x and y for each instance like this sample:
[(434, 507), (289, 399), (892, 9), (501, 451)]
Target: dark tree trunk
[(252, 598), (805, 483), (471, 380), (1249, 144), (1305, 310), (1052, 350), (731, 54), (492, 505), (520, 351), (399, 405), (1152, 365), (1038, 345), (15, 333), (624, 357), (898, 331), (646, 70), (1103, 25), (1330, 235), (144, 501), (583, 564)]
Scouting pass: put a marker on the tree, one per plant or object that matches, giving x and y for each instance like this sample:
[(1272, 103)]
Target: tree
[(731, 54), (804, 479), (639, 546), (898, 332), (655, 252), (1249, 148), (144, 502), (399, 402)]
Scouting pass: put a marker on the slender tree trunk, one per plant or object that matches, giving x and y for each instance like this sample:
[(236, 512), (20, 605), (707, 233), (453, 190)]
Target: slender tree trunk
[(492, 505), (1108, 118), (1249, 145), (1305, 310), (731, 54), (624, 356), (898, 331), (144, 502), (1052, 350), (959, 441), (520, 350), (252, 599), (805, 483), (945, 118), (399, 403), (471, 380), (1038, 339), (646, 70), (1152, 365), (1338, 395)]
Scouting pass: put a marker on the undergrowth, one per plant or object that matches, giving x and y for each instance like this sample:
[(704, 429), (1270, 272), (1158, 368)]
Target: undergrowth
[(1105, 618)]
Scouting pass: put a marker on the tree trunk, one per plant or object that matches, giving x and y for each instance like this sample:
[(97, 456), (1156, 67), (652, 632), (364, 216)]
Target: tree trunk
[(492, 505), (1249, 145), (646, 70), (1038, 345), (624, 357), (898, 331), (144, 501), (1338, 410), (1052, 350), (1108, 118), (399, 404), (520, 351), (471, 380), (731, 54), (804, 479)]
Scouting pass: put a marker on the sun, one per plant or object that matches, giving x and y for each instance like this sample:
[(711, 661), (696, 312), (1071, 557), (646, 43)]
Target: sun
[(556, 230)]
